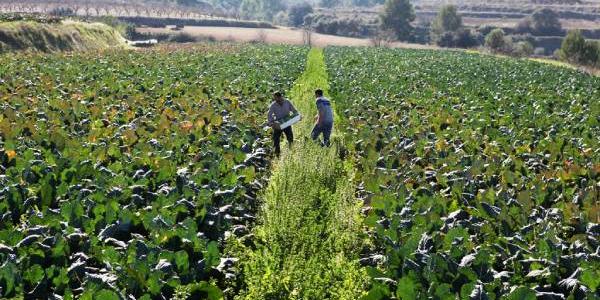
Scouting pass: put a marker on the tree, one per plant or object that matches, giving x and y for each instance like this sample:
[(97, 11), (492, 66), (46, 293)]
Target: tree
[(572, 46), (546, 22), (397, 17), (576, 49), (447, 19), (297, 13), (495, 40)]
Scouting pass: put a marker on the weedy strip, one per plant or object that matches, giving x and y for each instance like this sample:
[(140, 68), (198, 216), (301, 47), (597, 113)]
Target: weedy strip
[(307, 243)]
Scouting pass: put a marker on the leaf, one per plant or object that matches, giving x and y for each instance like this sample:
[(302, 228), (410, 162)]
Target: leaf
[(521, 293), (406, 289), (212, 254), (591, 276), (106, 295), (34, 274), (182, 261), (48, 190), (443, 292), (212, 292)]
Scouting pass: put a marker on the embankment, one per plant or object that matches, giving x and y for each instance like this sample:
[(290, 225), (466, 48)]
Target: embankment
[(64, 36)]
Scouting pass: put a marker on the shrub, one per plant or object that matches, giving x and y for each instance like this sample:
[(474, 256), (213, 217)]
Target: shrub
[(576, 49), (523, 49), (486, 29), (591, 53), (495, 40), (462, 38), (572, 47)]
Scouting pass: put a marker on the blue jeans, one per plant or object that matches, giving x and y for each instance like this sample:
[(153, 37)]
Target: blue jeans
[(325, 129)]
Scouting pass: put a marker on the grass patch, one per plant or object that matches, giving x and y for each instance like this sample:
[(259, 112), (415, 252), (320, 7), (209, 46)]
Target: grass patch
[(307, 243), (65, 36)]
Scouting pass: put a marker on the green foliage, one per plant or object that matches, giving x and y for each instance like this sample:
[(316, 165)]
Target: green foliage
[(475, 185), (521, 293), (577, 50), (495, 40), (397, 17), (137, 160)]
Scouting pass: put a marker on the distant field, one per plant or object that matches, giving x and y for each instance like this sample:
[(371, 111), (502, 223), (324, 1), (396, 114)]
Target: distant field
[(274, 36), (505, 22)]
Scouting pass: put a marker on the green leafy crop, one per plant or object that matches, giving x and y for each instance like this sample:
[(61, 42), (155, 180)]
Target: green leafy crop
[(481, 174), (121, 173)]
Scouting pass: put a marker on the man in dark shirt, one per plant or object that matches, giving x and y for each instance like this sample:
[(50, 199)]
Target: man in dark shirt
[(324, 118), (279, 110)]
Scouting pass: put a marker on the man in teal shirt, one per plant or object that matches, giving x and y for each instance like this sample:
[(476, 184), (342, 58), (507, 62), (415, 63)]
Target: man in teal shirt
[(324, 119)]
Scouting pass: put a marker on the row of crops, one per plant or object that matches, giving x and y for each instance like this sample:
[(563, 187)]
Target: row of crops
[(480, 175), (122, 173)]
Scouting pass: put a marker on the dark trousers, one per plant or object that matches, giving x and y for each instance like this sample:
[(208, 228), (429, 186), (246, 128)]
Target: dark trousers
[(325, 129), (277, 138)]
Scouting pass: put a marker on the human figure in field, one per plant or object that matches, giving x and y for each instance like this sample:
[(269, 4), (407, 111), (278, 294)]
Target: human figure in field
[(324, 119), (279, 110)]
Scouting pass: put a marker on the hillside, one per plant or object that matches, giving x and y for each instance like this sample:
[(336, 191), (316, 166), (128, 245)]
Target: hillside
[(65, 36)]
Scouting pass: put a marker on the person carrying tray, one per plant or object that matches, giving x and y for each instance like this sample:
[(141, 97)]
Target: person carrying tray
[(324, 119), (279, 111)]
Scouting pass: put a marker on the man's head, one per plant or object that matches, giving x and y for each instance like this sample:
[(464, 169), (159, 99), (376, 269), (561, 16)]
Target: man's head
[(278, 97), (319, 93)]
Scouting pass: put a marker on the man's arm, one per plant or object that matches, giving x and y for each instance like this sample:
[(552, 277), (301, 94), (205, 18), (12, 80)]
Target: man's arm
[(319, 115)]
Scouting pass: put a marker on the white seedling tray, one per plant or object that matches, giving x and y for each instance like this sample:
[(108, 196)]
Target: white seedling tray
[(290, 122)]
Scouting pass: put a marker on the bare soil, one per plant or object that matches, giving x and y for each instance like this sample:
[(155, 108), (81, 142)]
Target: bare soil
[(275, 36)]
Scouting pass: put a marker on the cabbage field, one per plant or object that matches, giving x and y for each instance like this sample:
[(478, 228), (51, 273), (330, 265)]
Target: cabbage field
[(147, 174), (121, 173), (480, 175)]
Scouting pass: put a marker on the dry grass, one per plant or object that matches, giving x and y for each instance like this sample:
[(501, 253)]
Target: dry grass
[(66, 36), (276, 36)]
